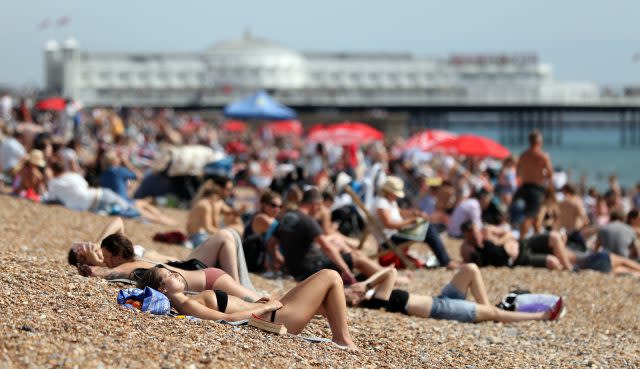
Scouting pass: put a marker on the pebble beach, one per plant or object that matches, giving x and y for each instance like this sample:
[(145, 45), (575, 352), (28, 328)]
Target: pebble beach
[(53, 317)]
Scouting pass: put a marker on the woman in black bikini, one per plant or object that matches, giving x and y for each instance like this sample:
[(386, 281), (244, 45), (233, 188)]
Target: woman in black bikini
[(322, 293)]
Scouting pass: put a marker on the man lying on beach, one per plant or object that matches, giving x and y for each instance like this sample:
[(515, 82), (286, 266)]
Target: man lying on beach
[(378, 292), (117, 258), (495, 247), (321, 293), (498, 247)]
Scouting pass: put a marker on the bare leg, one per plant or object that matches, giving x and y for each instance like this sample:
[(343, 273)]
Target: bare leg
[(621, 265), (557, 245), (524, 227), (230, 286), (152, 213), (469, 277), (324, 292), (492, 313), (367, 266), (219, 249)]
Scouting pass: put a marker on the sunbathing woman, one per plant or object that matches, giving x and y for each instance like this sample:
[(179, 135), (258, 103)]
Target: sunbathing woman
[(451, 304), (322, 293)]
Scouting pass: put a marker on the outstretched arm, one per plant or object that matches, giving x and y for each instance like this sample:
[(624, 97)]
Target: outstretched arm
[(198, 310), (115, 226)]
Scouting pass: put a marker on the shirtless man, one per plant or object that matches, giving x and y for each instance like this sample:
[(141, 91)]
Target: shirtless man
[(535, 170)]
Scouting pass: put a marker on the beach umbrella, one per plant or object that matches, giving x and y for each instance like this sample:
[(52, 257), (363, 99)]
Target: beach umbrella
[(236, 147), (284, 128), (52, 103), (423, 140), (471, 145), (260, 105), (346, 133), (288, 154)]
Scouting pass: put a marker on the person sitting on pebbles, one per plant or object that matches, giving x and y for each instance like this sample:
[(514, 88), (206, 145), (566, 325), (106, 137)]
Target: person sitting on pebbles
[(116, 257), (378, 292), (322, 293)]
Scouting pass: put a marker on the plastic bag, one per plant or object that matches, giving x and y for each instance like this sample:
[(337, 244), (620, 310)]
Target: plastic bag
[(152, 301)]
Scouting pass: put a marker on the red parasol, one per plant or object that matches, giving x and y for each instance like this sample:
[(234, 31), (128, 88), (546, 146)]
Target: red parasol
[(52, 103), (346, 133), (424, 140), (284, 128), (470, 145), (234, 126), (236, 147)]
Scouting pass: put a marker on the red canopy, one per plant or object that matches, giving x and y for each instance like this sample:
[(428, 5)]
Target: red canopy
[(346, 133), (470, 145), (284, 128), (52, 103), (425, 139), (234, 126)]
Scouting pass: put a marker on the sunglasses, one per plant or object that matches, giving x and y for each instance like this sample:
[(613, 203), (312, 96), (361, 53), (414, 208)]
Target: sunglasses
[(274, 205)]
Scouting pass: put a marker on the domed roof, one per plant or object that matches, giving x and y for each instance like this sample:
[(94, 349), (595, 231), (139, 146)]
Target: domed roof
[(249, 44)]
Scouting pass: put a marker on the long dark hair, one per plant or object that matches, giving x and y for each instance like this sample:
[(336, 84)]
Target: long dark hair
[(151, 278)]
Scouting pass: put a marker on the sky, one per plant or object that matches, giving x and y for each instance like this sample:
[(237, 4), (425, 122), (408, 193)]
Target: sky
[(588, 40)]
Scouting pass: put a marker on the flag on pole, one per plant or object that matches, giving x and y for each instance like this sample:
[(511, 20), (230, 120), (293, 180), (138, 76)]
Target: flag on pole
[(44, 24), (63, 21)]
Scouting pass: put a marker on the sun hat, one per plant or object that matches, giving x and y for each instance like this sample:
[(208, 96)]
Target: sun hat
[(394, 186), (36, 157)]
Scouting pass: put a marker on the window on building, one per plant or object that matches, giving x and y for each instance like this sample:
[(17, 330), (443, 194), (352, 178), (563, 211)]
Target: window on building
[(124, 76), (105, 75)]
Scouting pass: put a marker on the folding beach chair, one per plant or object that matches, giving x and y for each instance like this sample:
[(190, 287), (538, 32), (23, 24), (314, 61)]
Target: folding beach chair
[(373, 227)]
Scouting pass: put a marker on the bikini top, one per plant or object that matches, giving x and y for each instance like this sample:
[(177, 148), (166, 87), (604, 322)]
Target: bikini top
[(222, 299)]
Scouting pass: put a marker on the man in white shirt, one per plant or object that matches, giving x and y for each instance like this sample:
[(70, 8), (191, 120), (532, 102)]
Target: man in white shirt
[(74, 192), (469, 209)]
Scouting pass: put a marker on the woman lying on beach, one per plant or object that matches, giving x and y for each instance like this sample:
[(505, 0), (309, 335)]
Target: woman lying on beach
[(322, 293), (451, 304)]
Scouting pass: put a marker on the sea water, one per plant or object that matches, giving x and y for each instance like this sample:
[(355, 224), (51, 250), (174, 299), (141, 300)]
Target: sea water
[(591, 151)]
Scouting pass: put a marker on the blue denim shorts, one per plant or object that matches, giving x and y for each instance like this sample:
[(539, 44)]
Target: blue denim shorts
[(198, 239), (451, 304)]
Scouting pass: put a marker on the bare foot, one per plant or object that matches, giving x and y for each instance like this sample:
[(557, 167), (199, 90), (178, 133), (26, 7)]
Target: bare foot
[(346, 345), (453, 265)]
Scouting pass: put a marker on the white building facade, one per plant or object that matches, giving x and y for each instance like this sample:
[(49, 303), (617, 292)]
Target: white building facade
[(235, 68)]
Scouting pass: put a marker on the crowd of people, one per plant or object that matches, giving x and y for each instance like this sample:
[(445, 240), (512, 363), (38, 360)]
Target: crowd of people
[(304, 220)]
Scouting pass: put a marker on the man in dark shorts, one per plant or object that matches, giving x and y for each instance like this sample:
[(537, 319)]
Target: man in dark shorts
[(307, 250), (496, 247), (535, 171)]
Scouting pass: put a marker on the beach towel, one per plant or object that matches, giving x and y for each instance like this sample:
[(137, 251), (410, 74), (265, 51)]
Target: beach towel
[(152, 301), (243, 271), (173, 237)]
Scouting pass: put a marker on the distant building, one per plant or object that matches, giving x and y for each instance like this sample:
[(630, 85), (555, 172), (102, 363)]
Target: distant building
[(234, 68)]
